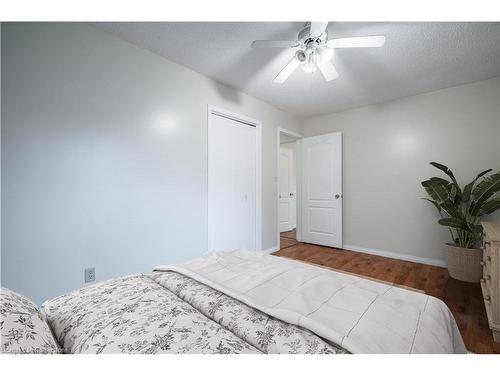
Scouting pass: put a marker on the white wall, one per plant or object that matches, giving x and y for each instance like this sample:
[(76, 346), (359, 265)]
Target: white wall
[(387, 149), (104, 157)]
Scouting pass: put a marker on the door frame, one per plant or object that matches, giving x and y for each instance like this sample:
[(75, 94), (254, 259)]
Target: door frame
[(213, 110), (298, 177)]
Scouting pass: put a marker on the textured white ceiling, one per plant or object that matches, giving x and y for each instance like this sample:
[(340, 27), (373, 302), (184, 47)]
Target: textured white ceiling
[(417, 57)]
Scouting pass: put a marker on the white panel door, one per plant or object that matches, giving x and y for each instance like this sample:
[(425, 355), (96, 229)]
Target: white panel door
[(287, 208), (232, 185), (322, 190)]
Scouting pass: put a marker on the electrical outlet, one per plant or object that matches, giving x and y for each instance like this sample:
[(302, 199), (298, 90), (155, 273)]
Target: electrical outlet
[(89, 274)]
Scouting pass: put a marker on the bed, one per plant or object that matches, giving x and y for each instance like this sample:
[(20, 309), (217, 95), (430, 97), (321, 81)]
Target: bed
[(246, 302)]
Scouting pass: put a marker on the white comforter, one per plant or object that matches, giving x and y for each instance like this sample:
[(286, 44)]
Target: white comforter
[(360, 315)]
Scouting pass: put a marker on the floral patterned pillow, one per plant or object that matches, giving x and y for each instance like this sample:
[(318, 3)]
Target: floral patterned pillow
[(22, 327)]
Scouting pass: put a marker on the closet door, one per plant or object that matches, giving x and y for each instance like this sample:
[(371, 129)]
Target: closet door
[(232, 184)]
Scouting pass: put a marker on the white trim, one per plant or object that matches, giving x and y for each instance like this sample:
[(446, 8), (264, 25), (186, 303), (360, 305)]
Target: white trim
[(258, 193), (289, 132), (382, 253), (271, 249), (298, 163), (388, 254)]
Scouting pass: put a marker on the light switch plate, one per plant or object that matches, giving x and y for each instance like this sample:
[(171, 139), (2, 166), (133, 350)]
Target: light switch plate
[(89, 274)]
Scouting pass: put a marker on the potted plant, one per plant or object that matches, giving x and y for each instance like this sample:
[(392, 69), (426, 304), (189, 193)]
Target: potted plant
[(461, 211)]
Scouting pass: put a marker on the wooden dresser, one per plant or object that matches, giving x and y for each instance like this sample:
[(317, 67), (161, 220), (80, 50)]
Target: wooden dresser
[(490, 283)]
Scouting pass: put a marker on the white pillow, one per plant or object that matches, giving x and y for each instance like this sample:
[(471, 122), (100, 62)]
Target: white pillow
[(22, 327)]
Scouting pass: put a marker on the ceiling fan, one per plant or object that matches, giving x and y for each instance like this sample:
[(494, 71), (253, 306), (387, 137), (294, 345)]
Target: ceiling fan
[(316, 50)]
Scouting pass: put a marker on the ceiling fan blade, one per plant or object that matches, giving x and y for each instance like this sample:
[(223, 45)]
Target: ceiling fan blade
[(287, 70), (327, 69), (317, 28), (274, 43), (357, 42)]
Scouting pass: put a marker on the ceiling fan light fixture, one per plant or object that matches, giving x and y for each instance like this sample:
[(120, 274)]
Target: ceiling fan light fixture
[(301, 56), (310, 66)]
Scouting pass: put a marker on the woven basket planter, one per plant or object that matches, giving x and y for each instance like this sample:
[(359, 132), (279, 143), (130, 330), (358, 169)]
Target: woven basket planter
[(464, 264)]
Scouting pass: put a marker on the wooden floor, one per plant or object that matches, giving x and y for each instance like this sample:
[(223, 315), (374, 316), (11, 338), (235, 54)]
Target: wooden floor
[(287, 239), (464, 299)]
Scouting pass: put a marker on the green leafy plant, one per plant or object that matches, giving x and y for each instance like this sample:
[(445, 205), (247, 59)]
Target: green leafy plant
[(462, 210)]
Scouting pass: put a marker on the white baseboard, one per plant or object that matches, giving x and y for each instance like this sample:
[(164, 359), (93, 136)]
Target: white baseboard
[(382, 253), (388, 254), (271, 249)]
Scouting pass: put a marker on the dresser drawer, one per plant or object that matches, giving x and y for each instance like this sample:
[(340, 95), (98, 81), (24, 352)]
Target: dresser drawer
[(487, 300), (487, 290), (486, 247), (486, 263), (486, 270)]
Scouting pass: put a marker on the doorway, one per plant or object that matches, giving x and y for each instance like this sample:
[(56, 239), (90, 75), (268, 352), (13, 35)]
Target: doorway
[(309, 179), (288, 157)]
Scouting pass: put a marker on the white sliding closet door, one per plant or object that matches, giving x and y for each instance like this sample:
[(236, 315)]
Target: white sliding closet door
[(232, 184)]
